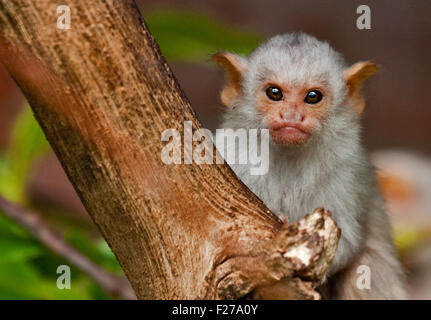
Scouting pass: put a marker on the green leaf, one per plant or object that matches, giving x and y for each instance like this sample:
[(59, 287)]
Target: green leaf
[(18, 280), (27, 143), (17, 250), (9, 228), (189, 36)]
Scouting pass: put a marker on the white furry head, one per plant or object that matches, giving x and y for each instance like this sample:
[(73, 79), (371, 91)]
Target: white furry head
[(296, 59), (294, 66)]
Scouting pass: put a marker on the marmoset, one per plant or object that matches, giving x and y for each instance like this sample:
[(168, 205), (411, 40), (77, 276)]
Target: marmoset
[(302, 91)]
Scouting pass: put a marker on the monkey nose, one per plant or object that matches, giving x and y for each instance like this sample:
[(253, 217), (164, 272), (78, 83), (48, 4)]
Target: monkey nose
[(291, 114)]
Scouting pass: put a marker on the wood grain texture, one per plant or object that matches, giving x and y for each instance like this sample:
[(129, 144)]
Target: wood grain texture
[(103, 94)]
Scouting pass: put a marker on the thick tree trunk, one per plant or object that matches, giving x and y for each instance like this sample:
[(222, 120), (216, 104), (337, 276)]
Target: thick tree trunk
[(103, 95)]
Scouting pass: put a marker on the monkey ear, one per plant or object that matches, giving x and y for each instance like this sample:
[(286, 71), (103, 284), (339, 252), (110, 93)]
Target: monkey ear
[(354, 77), (234, 67)]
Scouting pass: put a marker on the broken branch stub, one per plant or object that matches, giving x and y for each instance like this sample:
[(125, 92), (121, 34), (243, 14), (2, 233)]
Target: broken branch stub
[(289, 266)]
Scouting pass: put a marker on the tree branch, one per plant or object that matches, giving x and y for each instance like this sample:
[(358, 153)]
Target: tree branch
[(103, 94), (114, 285)]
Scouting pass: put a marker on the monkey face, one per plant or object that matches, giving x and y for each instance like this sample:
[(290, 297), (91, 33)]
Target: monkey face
[(293, 113), (293, 85)]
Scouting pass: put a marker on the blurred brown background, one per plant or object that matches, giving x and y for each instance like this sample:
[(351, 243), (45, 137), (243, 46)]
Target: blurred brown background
[(399, 98)]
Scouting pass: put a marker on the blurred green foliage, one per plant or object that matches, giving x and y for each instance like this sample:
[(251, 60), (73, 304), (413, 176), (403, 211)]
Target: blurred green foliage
[(27, 143), (27, 268), (193, 37)]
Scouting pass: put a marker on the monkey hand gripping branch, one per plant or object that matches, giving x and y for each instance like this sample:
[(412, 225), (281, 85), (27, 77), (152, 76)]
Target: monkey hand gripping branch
[(288, 266)]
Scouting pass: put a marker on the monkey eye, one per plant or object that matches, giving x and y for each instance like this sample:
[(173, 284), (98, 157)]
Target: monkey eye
[(274, 93), (313, 97)]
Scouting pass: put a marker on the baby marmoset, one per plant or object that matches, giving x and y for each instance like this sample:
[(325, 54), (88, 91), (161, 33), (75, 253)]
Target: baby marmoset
[(301, 90)]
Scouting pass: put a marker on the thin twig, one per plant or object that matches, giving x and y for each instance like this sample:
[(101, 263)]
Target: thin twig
[(115, 285)]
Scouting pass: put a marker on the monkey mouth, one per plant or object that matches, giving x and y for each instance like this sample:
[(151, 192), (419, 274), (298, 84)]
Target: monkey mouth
[(289, 127), (291, 133)]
